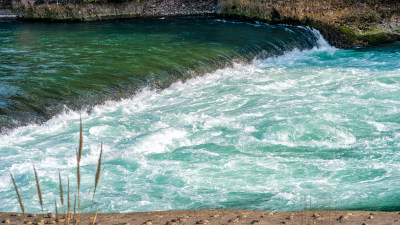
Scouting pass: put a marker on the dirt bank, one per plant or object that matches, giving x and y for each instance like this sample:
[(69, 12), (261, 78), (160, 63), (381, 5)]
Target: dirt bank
[(220, 217), (344, 23)]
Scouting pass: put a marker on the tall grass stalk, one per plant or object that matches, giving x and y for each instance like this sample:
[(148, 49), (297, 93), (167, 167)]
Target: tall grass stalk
[(97, 178), (19, 197), (69, 207), (38, 189), (78, 159), (61, 190), (72, 215)]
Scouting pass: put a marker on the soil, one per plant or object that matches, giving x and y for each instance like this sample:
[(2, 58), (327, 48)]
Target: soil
[(218, 217)]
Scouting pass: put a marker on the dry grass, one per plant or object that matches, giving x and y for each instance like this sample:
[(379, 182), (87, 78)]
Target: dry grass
[(72, 216), (19, 197)]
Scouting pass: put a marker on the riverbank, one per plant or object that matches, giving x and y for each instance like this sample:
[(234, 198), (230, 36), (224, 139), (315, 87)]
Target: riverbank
[(218, 217), (345, 24)]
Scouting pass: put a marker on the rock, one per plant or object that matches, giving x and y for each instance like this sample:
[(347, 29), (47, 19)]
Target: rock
[(202, 222), (13, 214), (6, 221), (51, 215), (233, 220), (170, 223), (149, 222), (289, 217), (27, 222), (342, 218), (283, 222), (61, 220), (315, 215), (215, 216), (181, 219), (364, 224), (255, 222), (371, 217), (242, 216)]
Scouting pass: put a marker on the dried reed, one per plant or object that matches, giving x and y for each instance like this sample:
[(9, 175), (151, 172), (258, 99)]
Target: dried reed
[(72, 213), (38, 189), (97, 178), (61, 190), (69, 206), (19, 197)]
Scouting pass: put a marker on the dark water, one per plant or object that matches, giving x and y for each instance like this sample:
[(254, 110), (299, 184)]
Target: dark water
[(45, 67)]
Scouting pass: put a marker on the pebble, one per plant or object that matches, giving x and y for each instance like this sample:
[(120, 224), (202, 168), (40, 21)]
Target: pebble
[(315, 215), (242, 216), (234, 220), (170, 223), (6, 221), (255, 222), (180, 219), (62, 220), (371, 217), (342, 218), (215, 216), (27, 222), (148, 222), (364, 224), (51, 215), (202, 222)]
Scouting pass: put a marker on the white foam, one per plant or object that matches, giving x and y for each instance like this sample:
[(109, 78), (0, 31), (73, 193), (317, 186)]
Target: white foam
[(215, 138)]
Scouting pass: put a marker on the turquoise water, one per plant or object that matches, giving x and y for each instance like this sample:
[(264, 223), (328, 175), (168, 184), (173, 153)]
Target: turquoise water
[(48, 67), (313, 123)]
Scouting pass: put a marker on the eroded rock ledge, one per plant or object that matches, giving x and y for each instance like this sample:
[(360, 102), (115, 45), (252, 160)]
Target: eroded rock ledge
[(344, 23)]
